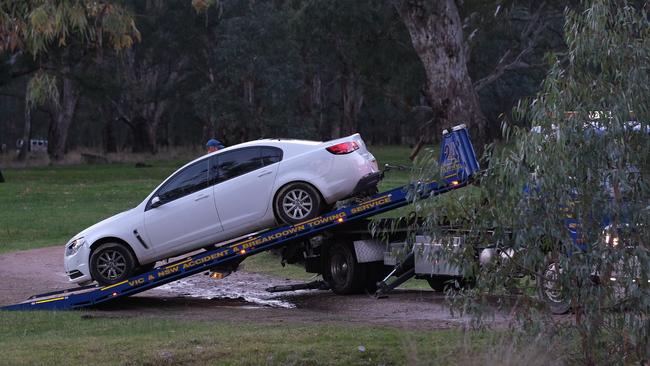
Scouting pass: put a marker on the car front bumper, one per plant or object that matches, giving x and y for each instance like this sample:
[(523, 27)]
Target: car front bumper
[(76, 265)]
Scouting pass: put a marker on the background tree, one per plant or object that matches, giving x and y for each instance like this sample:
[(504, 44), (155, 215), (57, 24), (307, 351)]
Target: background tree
[(244, 70), (586, 166), (148, 76), (61, 37), (436, 31)]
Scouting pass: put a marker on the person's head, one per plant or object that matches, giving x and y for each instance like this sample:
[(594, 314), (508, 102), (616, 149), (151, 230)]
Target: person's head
[(213, 145)]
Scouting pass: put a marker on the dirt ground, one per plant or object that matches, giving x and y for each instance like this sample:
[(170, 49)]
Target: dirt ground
[(241, 296)]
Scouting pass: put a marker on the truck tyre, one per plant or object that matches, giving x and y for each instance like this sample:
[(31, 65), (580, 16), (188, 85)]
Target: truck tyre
[(549, 290), (342, 272), (297, 202), (436, 284), (111, 263), (442, 283)]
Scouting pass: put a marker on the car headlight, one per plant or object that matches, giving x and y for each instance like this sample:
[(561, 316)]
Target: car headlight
[(74, 246)]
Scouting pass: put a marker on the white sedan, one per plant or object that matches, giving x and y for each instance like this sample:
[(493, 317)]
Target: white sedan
[(220, 196)]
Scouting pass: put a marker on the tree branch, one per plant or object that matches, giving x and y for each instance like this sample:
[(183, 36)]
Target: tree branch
[(529, 38)]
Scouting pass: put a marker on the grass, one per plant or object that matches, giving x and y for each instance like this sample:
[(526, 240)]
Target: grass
[(71, 338), (48, 205)]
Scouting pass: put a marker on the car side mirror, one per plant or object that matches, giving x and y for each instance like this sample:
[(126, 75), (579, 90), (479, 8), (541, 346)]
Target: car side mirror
[(155, 202)]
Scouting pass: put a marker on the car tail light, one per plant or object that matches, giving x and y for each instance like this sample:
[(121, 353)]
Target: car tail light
[(343, 148)]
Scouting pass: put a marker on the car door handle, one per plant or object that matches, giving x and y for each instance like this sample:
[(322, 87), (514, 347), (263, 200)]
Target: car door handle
[(264, 173), (201, 197)]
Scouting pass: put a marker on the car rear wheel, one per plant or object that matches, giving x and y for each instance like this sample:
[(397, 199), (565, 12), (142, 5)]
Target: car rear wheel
[(297, 202), (111, 263)]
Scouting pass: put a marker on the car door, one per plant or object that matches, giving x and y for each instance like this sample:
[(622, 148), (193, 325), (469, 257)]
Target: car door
[(186, 217), (245, 185)]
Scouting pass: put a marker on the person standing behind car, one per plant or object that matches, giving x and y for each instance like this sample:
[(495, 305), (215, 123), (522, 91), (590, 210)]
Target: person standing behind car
[(214, 145)]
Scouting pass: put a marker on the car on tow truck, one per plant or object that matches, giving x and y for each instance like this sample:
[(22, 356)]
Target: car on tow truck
[(221, 196)]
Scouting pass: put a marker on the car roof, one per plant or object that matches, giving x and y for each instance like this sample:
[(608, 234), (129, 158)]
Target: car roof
[(279, 143)]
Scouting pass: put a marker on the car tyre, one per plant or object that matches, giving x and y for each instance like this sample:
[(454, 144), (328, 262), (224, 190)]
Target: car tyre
[(297, 202), (111, 263), (343, 273)]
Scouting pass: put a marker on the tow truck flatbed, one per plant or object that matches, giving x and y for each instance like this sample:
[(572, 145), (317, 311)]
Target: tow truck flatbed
[(459, 166)]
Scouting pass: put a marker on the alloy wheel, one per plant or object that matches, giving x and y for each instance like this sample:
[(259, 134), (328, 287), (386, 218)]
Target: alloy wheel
[(297, 204)]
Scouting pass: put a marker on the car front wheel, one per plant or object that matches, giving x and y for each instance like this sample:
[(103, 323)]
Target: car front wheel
[(111, 263), (297, 202)]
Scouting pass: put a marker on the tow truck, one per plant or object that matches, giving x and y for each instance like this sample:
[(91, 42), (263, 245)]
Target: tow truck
[(336, 244)]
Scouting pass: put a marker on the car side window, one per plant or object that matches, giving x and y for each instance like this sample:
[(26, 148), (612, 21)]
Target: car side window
[(191, 179), (238, 162), (270, 155)]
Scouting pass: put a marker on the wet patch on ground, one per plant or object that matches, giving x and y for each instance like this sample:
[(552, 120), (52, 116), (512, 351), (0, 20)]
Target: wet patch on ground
[(249, 287)]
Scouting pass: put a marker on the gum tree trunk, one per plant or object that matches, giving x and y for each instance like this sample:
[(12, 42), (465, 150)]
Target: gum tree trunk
[(62, 119), (436, 33), (145, 127), (27, 132), (352, 93)]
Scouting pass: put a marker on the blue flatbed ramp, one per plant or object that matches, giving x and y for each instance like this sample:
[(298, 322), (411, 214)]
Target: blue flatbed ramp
[(458, 163)]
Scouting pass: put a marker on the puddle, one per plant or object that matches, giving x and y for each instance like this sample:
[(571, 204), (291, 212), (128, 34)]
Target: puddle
[(250, 287)]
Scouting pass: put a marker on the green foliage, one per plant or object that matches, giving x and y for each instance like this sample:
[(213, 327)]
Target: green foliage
[(41, 90), (37, 26), (50, 31), (585, 165)]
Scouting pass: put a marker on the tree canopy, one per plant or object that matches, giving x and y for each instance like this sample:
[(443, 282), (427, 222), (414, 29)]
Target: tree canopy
[(146, 74)]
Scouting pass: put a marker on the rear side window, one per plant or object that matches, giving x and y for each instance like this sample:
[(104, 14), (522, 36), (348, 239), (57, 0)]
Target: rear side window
[(238, 162), (191, 179), (231, 164), (270, 155)]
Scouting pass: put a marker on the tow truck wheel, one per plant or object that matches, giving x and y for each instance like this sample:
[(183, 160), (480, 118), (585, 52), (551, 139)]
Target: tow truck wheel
[(436, 284), (343, 273), (441, 283), (297, 202), (111, 263), (550, 290)]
